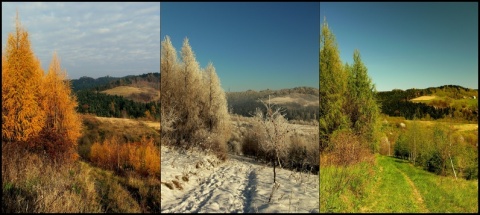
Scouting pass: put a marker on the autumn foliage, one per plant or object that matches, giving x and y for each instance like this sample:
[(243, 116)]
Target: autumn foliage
[(142, 157), (38, 111)]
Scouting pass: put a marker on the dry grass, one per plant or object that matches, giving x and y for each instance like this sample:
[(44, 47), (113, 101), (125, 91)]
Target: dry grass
[(302, 144), (424, 98), (133, 92), (129, 122), (32, 183), (456, 126)]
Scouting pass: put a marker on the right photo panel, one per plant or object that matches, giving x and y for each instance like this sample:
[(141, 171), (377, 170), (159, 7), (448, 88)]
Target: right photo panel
[(398, 119)]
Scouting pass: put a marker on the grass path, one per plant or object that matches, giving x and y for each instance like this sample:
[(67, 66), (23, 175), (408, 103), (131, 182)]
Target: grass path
[(421, 191), (390, 191), (396, 186), (416, 194)]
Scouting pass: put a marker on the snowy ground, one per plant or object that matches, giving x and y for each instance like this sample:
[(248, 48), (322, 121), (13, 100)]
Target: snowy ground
[(239, 185)]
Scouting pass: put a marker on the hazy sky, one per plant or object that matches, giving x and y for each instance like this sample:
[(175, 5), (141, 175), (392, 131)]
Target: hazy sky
[(407, 45), (252, 45), (91, 39)]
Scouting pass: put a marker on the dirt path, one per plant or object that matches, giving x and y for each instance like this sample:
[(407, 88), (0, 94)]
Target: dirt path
[(416, 194)]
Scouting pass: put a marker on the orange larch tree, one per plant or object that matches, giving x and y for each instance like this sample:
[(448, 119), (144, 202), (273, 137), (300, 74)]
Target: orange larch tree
[(22, 116), (59, 104)]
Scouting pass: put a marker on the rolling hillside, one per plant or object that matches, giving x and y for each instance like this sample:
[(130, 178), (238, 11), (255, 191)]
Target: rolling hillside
[(300, 103), (435, 102)]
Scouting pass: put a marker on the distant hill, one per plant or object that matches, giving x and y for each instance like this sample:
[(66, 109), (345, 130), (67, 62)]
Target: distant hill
[(300, 103), (108, 82), (133, 96), (139, 88), (435, 102), (85, 82)]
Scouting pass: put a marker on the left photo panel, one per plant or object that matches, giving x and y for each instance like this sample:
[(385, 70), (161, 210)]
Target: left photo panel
[(80, 107)]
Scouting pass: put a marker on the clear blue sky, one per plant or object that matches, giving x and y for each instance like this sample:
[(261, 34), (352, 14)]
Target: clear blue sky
[(409, 45), (252, 45), (91, 39)]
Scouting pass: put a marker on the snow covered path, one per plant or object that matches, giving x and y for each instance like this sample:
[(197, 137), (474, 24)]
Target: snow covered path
[(239, 185)]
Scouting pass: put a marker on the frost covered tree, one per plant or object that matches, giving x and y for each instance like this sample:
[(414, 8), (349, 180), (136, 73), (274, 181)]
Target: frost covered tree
[(190, 94), (218, 119), (169, 98), (194, 107), (276, 130)]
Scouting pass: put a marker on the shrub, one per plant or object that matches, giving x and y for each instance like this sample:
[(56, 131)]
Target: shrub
[(143, 157), (348, 148)]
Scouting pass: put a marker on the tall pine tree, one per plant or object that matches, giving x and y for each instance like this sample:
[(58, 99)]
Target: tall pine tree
[(62, 121), (333, 86), (22, 116), (363, 109)]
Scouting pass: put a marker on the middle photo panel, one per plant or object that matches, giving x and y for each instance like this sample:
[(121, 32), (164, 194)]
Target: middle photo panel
[(239, 107)]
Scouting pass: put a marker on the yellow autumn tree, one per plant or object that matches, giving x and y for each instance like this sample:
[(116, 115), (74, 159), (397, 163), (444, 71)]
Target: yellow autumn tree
[(22, 116), (62, 124)]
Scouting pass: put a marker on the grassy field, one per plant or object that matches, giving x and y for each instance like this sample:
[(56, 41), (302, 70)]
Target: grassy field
[(132, 92), (424, 98), (33, 183), (129, 122), (456, 126), (393, 185)]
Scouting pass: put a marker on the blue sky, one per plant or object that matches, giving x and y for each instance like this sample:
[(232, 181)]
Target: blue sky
[(91, 39), (252, 45), (409, 45)]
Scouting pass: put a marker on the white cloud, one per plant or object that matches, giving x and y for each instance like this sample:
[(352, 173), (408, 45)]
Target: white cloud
[(92, 39), (103, 30)]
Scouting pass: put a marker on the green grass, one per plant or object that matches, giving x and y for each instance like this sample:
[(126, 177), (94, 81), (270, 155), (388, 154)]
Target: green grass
[(342, 188), (385, 187), (443, 194), (387, 191)]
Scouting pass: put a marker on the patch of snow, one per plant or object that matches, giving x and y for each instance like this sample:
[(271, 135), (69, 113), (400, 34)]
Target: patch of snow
[(239, 185)]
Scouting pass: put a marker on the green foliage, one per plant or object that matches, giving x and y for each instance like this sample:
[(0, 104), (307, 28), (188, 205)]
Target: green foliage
[(106, 105), (436, 149), (451, 100), (333, 86), (108, 82), (347, 95), (361, 107)]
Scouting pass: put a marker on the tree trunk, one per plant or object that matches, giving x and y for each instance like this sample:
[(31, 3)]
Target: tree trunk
[(274, 173)]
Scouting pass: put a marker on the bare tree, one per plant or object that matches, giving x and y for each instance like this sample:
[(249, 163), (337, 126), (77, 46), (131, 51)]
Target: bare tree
[(276, 130)]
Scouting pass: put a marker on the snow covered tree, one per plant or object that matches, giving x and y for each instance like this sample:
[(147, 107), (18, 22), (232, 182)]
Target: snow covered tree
[(218, 119), (275, 129), (190, 93), (194, 107)]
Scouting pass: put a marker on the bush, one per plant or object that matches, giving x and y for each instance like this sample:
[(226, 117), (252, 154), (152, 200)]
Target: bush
[(143, 157), (251, 144), (348, 148), (436, 164)]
